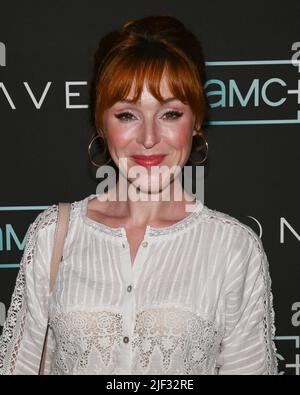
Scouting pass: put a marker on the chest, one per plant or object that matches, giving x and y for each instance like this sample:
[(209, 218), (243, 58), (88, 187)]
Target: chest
[(135, 237)]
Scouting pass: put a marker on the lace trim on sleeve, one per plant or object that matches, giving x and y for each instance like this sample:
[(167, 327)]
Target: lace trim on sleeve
[(269, 321), (13, 329)]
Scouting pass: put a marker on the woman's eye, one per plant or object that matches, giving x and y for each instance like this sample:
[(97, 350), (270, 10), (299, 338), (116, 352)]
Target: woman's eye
[(173, 114), (124, 116), (127, 116)]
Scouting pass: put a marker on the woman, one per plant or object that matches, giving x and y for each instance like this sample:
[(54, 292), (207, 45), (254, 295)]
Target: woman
[(144, 287)]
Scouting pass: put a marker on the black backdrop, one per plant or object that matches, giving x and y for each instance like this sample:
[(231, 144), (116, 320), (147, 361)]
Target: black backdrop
[(253, 169)]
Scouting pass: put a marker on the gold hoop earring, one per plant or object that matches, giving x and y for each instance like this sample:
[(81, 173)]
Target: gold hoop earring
[(89, 152), (197, 150)]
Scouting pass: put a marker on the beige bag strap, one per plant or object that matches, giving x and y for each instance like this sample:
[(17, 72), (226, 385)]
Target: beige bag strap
[(57, 252), (59, 239)]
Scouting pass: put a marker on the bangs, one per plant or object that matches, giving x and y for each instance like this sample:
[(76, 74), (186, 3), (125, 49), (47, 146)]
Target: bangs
[(131, 71)]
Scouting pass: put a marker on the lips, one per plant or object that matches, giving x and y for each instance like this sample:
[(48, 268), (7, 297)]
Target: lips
[(148, 160)]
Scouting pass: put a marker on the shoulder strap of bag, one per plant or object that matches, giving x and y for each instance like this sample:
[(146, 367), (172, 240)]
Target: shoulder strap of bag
[(59, 240)]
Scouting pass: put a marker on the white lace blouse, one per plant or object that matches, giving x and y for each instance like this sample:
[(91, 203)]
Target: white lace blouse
[(196, 301)]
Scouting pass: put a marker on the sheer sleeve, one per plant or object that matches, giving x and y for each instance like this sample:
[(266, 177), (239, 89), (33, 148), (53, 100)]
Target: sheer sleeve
[(22, 339), (248, 345)]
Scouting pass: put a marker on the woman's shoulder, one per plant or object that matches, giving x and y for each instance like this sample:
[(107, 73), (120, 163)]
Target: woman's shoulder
[(47, 219), (239, 232)]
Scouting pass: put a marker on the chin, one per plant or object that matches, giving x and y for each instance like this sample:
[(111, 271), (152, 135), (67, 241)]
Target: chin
[(145, 188)]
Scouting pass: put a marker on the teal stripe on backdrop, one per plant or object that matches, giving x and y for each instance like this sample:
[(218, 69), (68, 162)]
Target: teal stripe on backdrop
[(9, 265), (18, 208), (250, 62)]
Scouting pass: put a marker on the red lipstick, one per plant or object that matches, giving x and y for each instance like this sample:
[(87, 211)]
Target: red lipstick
[(148, 160)]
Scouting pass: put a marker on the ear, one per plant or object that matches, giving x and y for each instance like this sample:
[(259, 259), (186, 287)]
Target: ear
[(198, 127)]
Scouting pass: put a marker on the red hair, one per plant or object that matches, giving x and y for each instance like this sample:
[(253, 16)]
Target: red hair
[(143, 49)]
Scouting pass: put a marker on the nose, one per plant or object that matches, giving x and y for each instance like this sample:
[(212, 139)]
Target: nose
[(149, 134)]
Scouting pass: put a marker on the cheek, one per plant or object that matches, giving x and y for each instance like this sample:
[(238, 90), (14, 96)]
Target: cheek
[(182, 137), (117, 136)]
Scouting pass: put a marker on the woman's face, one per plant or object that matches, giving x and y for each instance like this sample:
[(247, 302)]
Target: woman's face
[(149, 128)]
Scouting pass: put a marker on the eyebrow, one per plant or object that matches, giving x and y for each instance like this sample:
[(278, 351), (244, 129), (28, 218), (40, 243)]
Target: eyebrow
[(169, 99)]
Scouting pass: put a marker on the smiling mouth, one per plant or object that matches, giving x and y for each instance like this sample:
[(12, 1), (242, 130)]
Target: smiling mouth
[(148, 160)]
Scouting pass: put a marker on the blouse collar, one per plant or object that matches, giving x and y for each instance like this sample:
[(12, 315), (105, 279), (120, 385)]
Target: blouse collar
[(150, 230)]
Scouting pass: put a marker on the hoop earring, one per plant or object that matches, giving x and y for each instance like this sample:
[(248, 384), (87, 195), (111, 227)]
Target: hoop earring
[(89, 149), (206, 143)]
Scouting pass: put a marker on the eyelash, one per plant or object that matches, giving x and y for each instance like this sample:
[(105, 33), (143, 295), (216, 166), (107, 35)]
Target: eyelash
[(119, 116)]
